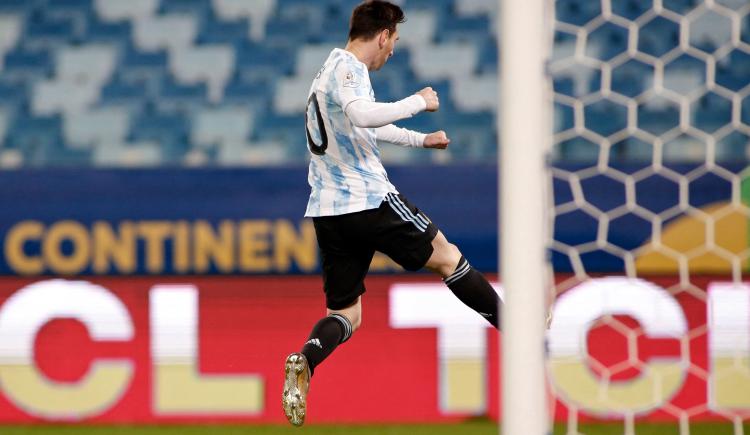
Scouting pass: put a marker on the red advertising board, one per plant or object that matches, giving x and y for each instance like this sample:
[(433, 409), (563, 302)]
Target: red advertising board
[(195, 349)]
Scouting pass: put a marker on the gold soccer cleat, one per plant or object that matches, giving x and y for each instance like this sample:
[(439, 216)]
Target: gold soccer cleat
[(296, 384)]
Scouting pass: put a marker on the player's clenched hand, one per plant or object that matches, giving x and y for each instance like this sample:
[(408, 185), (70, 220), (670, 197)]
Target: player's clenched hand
[(431, 97), (438, 140)]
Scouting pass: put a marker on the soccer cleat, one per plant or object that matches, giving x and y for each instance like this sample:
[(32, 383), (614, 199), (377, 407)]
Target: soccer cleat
[(296, 384)]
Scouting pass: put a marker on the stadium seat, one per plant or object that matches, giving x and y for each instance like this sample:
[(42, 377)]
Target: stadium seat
[(198, 8), (33, 135), (263, 62), (91, 64), (10, 32), (228, 124), (99, 126), (126, 95), (118, 10), (476, 7), (263, 153), (477, 93), (216, 31), (53, 97), (43, 34), (252, 94), (257, 11), (177, 97), (463, 29), (4, 124), (137, 154), (419, 29), (116, 34), (445, 61), (22, 7), (12, 95), (27, 65), (171, 32), (310, 59), (211, 64), (290, 96)]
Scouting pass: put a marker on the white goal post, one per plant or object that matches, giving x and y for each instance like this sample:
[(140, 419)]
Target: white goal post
[(524, 137)]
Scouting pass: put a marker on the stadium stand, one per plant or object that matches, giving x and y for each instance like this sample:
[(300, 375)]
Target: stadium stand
[(221, 82)]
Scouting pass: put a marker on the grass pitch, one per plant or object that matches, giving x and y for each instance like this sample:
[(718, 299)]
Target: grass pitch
[(469, 428)]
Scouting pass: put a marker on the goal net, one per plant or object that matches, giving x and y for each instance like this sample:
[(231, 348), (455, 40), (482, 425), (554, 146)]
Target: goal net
[(651, 320)]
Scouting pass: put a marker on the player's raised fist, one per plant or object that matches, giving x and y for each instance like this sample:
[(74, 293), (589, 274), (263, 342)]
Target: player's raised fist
[(431, 97), (438, 140)]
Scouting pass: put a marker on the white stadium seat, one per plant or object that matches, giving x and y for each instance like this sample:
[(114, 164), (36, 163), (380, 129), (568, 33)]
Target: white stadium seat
[(52, 97), (139, 154), (241, 153), (419, 29), (257, 11), (218, 126), (291, 95), (211, 64), (172, 32), (310, 58), (473, 94), (93, 64), (4, 124), (118, 10), (476, 7), (445, 61), (10, 31), (102, 126)]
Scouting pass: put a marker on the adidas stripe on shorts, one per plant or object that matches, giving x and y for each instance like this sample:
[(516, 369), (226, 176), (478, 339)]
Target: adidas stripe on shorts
[(348, 241)]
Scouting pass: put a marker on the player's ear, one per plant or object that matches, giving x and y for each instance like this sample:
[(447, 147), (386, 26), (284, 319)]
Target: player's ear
[(383, 37)]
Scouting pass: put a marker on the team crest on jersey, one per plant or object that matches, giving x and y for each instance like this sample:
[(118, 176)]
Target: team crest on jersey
[(350, 80)]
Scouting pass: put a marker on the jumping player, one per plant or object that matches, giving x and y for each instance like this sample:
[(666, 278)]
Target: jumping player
[(355, 209)]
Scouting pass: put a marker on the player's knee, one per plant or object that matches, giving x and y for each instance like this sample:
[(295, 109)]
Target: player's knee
[(449, 259)]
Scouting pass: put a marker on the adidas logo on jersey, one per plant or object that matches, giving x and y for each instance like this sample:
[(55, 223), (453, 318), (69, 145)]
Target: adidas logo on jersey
[(315, 341)]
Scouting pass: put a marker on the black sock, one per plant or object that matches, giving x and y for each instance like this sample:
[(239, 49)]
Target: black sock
[(326, 335), (472, 288)]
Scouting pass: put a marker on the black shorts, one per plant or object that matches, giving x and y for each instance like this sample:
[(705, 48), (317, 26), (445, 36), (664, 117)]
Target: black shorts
[(348, 242)]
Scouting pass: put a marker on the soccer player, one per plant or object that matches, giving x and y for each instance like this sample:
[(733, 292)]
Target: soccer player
[(355, 209)]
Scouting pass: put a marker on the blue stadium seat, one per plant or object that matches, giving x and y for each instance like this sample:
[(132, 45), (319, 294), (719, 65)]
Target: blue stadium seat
[(255, 94), (457, 28), (488, 55), (27, 65), (35, 137), (13, 95), (169, 130), (258, 60), (118, 33), (132, 96), (197, 7), (178, 97), (52, 33), (215, 31), (17, 6)]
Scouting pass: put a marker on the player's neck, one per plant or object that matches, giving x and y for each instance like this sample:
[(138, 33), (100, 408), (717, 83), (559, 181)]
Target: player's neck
[(362, 52)]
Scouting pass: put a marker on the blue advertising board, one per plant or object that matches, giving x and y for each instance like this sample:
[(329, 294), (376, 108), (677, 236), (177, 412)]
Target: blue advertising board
[(250, 221)]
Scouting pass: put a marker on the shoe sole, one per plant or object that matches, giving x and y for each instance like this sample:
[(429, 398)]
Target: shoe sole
[(293, 399)]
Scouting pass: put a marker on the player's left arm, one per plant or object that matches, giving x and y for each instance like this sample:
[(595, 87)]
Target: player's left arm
[(409, 138)]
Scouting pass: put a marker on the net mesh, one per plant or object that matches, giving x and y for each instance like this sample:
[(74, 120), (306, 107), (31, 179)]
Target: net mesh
[(650, 217)]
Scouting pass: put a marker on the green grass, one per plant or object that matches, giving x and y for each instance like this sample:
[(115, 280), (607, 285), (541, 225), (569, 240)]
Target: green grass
[(469, 428)]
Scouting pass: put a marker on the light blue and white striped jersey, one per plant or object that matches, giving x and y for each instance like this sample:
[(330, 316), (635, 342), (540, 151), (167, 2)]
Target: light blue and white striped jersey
[(346, 174)]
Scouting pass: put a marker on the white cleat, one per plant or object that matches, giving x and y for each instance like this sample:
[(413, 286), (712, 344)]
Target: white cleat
[(296, 384)]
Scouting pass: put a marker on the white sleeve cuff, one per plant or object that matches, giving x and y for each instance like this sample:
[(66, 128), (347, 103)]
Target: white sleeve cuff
[(400, 136)]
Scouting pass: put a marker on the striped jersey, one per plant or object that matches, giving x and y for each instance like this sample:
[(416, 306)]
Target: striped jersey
[(346, 174)]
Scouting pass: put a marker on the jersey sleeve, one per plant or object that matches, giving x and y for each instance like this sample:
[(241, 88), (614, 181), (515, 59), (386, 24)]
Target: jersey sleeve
[(352, 84)]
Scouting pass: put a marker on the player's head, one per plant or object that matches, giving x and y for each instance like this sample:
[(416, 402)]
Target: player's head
[(375, 21)]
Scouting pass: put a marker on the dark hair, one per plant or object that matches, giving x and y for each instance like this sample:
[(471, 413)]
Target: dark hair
[(372, 17)]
